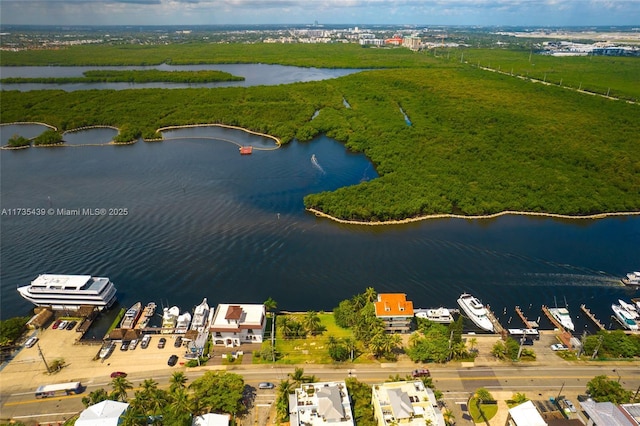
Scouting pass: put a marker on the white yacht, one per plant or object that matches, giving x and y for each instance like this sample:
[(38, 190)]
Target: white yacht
[(563, 317), (623, 316), (69, 292), (630, 308), (441, 315), (131, 316), (169, 319), (182, 323), (476, 311), (200, 316), (632, 278)]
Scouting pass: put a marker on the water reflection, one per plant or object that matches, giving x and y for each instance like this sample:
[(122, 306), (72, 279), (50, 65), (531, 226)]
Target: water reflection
[(254, 74)]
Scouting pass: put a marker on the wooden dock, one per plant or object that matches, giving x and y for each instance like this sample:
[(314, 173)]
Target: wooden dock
[(592, 317), (528, 324), (497, 327), (553, 320)]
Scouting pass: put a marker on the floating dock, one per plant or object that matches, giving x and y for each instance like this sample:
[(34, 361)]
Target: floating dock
[(591, 316), (528, 324)]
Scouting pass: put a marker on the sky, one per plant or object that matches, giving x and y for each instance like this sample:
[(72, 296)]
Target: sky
[(416, 12)]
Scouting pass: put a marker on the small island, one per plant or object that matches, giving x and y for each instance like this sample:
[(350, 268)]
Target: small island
[(132, 76)]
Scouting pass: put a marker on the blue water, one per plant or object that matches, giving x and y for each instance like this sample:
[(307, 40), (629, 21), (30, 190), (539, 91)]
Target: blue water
[(204, 221)]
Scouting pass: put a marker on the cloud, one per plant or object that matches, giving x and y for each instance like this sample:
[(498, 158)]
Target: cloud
[(423, 12)]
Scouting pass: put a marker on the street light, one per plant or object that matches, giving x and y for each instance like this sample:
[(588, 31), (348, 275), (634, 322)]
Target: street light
[(614, 370)]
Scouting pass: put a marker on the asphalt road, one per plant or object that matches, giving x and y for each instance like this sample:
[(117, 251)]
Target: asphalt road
[(457, 384)]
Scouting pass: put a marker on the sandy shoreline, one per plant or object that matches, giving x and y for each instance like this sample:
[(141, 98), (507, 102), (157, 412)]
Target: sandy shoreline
[(457, 216)]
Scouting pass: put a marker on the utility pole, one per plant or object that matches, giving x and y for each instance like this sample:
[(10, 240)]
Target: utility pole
[(43, 360)]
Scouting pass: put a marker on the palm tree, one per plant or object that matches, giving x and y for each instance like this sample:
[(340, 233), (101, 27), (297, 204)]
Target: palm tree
[(120, 385), (133, 417), (282, 401), (449, 417), (473, 342), (149, 386), (332, 341), (311, 322), (352, 347), (177, 381), (271, 306), (370, 295), (285, 325), (179, 410), (298, 377), (95, 397)]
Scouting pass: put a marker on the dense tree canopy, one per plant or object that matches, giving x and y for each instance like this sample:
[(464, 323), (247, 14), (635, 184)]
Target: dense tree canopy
[(479, 142)]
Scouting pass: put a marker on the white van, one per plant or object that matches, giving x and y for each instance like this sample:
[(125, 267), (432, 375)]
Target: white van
[(30, 342)]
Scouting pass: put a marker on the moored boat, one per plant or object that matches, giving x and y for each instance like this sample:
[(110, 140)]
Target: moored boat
[(624, 318), (69, 292), (476, 311), (440, 315), (107, 350), (631, 309), (563, 316), (131, 316), (200, 316), (632, 278), (146, 316)]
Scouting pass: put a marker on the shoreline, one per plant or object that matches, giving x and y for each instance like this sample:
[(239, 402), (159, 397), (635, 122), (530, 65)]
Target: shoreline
[(319, 213), (277, 141)]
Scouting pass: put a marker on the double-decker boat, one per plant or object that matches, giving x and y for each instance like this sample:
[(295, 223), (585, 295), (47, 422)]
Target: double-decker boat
[(563, 317), (476, 311), (69, 292), (131, 316), (624, 317), (440, 315)]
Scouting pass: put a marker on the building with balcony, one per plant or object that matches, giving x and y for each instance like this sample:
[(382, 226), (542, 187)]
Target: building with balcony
[(234, 325), (405, 404), (318, 404), (395, 311)]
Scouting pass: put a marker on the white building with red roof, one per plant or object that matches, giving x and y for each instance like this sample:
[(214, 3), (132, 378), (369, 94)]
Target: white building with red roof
[(234, 325)]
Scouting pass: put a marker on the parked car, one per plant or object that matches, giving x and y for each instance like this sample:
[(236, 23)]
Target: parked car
[(146, 339), (527, 342), (30, 342), (56, 324), (71, 325), (162, 342), (63, 325), (559, 347), (133, 344), (421, 372), (173, 359), (118, 374), (266, 385), (178, 342), (570, 406), (124, 346)]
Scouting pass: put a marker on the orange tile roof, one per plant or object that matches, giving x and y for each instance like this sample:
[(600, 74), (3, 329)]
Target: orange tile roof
[(393, 304)]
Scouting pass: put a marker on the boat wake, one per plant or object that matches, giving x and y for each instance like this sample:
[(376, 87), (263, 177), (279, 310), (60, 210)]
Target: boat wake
[(317, 165)]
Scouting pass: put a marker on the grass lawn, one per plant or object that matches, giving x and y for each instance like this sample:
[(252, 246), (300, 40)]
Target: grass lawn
[(489, 411), (313, 349)]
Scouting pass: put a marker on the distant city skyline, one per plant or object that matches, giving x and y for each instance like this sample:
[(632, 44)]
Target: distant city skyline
[(239, 12)]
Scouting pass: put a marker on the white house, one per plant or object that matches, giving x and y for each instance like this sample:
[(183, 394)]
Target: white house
[(211, 419), (105, 413), (234, 325), (405, 404), (525, 414), (317, 404)]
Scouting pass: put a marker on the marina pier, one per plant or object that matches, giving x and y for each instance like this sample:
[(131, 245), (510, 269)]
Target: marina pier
[(591, 316)]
